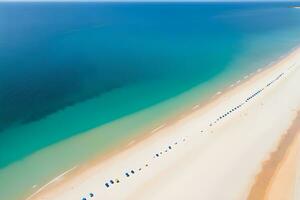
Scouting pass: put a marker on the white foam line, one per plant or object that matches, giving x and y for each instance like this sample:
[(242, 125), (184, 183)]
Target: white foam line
[(245, 77), (131, 142), (218, 93), (196, 106), (258, 70), (238, 81), (160, 127), (49, 183)]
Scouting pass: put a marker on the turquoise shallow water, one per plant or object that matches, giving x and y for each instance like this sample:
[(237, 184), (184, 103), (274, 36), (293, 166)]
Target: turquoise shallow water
[(123, 68)]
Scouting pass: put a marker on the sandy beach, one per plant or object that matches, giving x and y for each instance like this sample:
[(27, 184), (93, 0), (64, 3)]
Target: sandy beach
[(217, 151), (277, 179)]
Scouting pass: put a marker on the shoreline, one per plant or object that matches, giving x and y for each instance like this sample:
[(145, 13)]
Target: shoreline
[(68, 174), (87, 170)]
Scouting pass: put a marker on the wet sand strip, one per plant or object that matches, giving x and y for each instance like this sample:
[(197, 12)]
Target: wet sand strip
[(270, 167)]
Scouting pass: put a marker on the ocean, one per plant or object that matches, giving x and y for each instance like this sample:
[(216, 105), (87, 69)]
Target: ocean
[(78, 79)]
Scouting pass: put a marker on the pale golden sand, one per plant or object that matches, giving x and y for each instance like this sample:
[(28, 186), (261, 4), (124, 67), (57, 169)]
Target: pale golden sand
[(277, 178)]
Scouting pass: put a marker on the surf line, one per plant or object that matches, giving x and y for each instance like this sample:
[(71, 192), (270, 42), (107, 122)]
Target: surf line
[(195, 106), (158, 128), (218, 93), (52, 181)]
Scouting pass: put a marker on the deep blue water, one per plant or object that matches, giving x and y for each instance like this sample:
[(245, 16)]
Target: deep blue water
[(55, 55)]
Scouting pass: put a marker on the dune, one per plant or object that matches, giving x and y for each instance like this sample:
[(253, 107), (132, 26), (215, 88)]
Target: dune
[(215, 152)]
